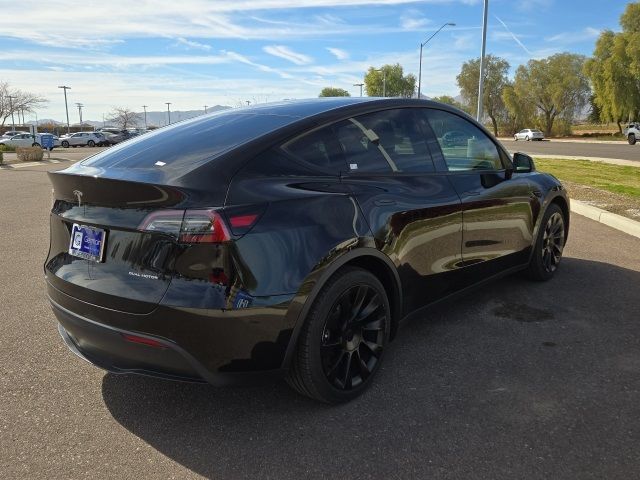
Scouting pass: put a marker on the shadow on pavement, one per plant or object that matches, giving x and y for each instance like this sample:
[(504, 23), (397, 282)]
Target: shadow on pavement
[(516, 380)]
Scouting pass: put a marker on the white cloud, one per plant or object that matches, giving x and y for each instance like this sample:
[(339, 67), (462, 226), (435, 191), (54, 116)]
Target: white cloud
[(288, 54), (190, 44), (587, 34), (338, 53), (414, 22)]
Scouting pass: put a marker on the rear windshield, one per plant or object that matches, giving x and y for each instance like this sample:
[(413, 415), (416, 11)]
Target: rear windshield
[(187, 145)]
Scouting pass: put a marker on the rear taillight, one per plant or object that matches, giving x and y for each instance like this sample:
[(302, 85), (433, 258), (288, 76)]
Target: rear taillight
[(188, 226), (203, 226), (143, 340)]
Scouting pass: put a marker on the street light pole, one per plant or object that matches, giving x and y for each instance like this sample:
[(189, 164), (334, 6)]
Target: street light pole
[(205, 109), (13, 121), (384, 80), (421, 46), (80, 113), (168, 112), (145, 116), (65, 88), (359, 85), (484, 47)]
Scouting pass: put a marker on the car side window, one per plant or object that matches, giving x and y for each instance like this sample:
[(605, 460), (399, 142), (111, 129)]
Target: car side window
[(319, 148), (464, 146), (398, 138)]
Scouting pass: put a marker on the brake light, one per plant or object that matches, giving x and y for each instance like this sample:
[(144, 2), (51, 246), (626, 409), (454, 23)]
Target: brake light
[(203, 226), (242, 221)]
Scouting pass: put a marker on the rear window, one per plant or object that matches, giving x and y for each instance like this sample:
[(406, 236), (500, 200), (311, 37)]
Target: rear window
[(189, 144)]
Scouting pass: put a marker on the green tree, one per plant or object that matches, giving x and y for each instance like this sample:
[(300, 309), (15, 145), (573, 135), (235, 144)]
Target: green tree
[(334, 92), (448, 100), (495, 79), (519, 112), (389, 80), (555, 85)]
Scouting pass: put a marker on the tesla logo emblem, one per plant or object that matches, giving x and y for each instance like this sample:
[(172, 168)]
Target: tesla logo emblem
[(78, 195)]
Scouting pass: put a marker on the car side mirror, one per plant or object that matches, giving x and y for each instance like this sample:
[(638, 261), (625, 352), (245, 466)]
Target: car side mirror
[(523, 163)]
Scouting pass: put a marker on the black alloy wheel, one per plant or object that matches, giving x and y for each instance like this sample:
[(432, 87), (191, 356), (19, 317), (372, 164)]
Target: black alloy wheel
[(343, 340), (549, 245), (65, 144), (91, 143), (631, 139)]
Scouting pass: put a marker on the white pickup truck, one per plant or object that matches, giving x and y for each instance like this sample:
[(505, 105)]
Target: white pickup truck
[(632, 132)]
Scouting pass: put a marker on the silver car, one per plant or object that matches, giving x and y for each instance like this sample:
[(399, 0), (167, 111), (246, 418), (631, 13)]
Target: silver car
[(27, 140), (89, 139), (529, 134)]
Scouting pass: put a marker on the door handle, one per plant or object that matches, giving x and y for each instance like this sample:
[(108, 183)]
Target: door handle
[(381, 203)]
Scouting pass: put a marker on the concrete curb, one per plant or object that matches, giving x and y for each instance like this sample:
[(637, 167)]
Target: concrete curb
[(572, 140), (612, 220)]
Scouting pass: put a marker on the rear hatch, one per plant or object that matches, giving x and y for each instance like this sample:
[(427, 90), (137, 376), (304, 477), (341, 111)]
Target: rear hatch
[(130, 269)]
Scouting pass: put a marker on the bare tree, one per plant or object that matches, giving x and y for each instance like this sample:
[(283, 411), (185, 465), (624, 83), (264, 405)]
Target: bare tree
[(124, 117), (13, 101)]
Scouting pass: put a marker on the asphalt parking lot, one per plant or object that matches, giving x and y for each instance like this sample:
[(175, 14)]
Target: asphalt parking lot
[(517, 380)]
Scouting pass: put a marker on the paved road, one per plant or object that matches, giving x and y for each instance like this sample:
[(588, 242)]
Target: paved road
[(622, 151), (517, 380)]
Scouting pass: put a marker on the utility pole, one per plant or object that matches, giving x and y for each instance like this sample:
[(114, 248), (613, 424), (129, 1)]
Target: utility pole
[(484, 47), (168, 112), (205, 109), (145, 116), (248, 102), (13, 121), (422, 45), (65, 88), (359, 85), (80, 113)]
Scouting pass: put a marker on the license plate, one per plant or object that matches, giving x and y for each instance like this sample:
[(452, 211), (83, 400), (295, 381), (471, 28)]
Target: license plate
[(87, 242)]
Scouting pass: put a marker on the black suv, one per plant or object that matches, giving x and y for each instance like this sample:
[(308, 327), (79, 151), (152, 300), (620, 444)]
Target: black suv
[(288, 239)]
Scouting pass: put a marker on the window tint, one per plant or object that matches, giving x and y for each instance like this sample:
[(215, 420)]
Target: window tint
[(320, 148), (188, 144), (464, 146)]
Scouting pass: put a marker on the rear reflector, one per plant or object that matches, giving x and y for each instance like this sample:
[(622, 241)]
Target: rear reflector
[(242, 221), (143, 340)]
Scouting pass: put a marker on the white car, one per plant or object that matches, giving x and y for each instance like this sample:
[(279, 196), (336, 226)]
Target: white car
[(84, 139), (27, 140), (11, 133), (529, 134)]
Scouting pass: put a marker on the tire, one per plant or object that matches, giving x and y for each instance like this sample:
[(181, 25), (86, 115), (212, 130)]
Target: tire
[(91, 143), (65, 144), (337, 354), (526, 138), (631, 139), (515, 138), (547, 251), (35, 144)]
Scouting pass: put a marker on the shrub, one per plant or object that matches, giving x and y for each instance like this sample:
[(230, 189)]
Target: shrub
[(30, 154), (7, 148), (1, 159)]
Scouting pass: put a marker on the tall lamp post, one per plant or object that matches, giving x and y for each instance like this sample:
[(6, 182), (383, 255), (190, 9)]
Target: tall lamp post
[(384, 80), (80, 113), (359, 85), (13, 121), (168, 112), (145, 116), (484, 47), (65, 88), (421, 47), (205, 109)]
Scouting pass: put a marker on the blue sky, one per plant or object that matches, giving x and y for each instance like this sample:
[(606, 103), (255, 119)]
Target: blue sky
[(206, 52)]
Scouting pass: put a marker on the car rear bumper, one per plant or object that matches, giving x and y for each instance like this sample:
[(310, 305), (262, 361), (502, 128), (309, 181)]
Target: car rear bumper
[(247, 354)]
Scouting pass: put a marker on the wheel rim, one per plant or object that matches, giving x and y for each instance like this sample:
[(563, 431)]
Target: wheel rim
[(352, 337), (553, 242)]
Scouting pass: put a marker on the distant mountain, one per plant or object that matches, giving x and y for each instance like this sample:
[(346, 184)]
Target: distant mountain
[(154, 118)]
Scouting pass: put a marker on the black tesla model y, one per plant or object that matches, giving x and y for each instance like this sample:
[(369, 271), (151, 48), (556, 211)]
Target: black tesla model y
[(289, 240)]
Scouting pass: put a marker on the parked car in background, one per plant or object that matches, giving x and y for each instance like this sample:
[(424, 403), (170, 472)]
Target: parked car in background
[(632, 133), (529, 134), (28, 140), (115, 135), (12, 133), (289, 239), (82, 139)]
